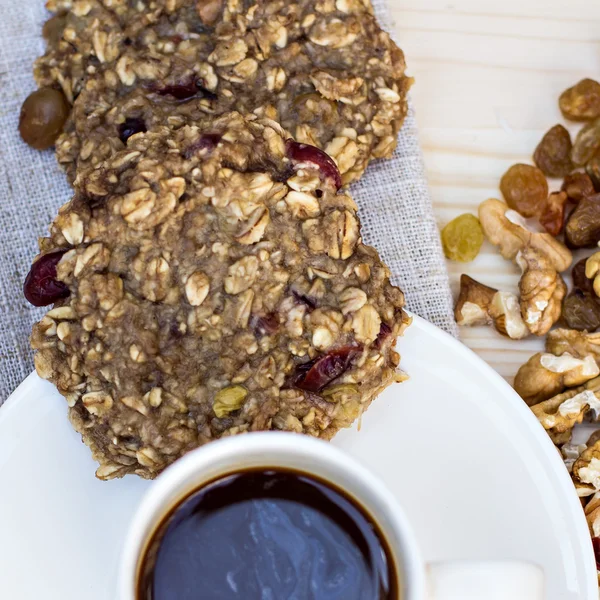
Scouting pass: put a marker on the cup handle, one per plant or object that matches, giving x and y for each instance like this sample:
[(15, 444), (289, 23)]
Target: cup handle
[(484, 580)]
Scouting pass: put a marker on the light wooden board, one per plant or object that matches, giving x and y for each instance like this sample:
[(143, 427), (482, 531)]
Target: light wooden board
[(488, 76)]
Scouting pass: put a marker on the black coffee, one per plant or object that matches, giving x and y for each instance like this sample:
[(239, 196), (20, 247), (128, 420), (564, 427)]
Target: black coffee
[(267, 535)]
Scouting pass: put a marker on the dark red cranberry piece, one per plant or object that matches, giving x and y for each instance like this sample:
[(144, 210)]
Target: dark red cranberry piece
[(186, 88), (41, 286), (300, 373), (304, 153), (304, 299), (131, 127), (207, 141), (384, 332), (266, 324), (314, 376), (596, 545)]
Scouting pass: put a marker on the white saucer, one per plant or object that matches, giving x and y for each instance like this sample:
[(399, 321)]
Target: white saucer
[(475, 472)]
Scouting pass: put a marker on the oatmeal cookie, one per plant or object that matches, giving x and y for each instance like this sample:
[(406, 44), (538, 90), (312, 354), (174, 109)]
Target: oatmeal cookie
[(208, 282), (324, 70)]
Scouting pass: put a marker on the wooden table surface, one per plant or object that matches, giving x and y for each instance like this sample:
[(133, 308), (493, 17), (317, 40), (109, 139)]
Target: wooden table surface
[(488, 76)]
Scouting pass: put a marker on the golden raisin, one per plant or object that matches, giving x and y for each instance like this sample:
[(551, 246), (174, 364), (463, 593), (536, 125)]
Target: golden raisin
[(462, 238), (582, 101), (553, 154), (525, 189)]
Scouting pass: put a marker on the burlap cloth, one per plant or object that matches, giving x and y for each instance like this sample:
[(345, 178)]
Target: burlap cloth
[(393, 197)]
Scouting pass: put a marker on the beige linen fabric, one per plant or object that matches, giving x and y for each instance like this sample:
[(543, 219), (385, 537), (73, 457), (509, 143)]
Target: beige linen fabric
[(394, 201)]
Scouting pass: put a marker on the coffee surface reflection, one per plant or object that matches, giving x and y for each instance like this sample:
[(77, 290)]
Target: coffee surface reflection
[(267, 535)]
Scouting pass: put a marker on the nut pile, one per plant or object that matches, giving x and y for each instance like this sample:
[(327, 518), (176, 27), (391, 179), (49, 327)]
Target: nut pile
[(538, 230), (208, 276)]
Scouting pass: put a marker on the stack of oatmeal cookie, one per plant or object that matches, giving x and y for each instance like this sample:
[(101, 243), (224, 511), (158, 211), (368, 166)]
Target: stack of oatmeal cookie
[(208, 276)]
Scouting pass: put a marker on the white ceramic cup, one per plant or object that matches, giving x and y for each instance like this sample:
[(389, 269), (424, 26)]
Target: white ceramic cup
[(463, 580)]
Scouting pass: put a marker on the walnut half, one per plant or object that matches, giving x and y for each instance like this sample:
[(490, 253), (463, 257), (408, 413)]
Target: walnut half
[(559, 414), (511, 232), (506, 313), (592, 514), (542, 291), (473, 304), (479, 304), (592, 271), (577, 343), (545, 375), (586, 472)]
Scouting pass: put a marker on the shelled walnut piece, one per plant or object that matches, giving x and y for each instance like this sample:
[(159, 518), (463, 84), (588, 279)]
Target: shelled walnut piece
[(217, 287), (592, 515), (541, 290), (559, 414), (505, 312), (577, 343), (473, 304), (479, 304), (511, 233), (592, 271), (586, 472), (545, 375)]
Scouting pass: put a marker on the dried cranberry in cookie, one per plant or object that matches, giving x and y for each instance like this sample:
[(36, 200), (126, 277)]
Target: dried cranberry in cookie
[(300, 154), (41, 285)]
